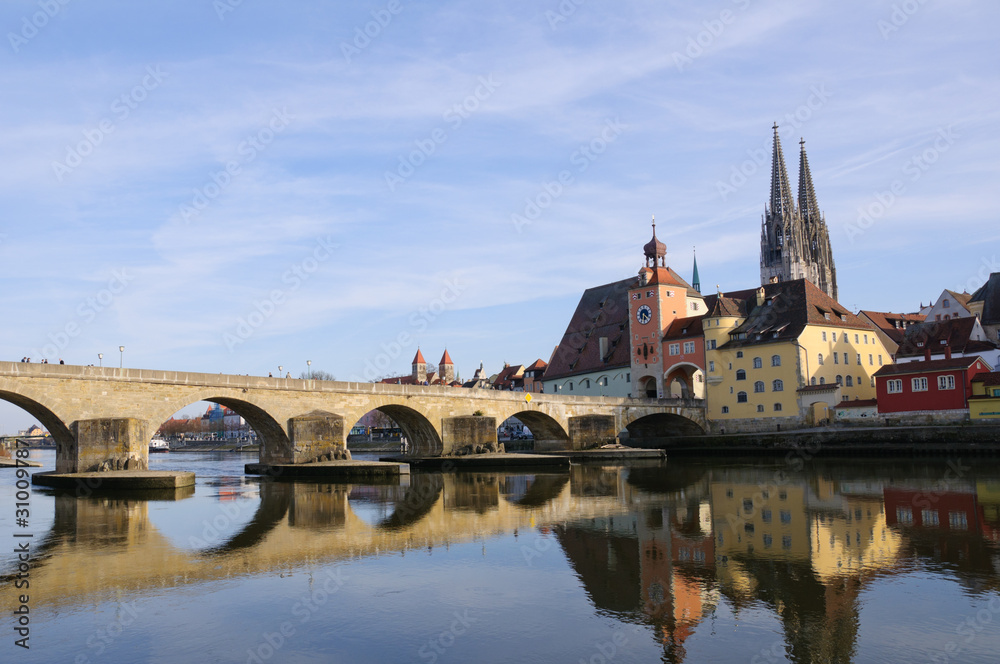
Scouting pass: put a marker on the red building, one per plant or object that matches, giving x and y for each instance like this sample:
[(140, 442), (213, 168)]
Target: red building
[(927, 384)]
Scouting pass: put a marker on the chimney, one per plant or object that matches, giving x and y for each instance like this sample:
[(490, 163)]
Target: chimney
[(947, 352), (927, 353)]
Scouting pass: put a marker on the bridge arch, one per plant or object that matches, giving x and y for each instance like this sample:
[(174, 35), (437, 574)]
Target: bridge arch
[(657, 428), (52, 423), (273, 438), (423, 437), (547, 431)]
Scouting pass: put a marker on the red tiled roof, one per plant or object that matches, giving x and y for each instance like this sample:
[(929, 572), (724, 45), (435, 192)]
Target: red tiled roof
[(445, 359), (682, 328), (537, 364), (419, 358), (956, 333), (894, 325), (991, 379), (601, 312), (928, 366)]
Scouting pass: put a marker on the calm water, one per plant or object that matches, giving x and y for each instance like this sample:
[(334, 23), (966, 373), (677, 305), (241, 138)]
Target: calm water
[(695, 561)]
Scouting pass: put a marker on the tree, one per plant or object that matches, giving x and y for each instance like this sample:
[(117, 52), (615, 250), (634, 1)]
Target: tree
[(317, 375)]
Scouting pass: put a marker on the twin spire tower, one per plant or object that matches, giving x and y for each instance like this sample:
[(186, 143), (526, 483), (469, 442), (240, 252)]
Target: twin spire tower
[(794, 240)]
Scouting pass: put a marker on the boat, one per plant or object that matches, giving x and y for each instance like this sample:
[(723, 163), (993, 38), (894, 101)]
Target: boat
[(158, 445)]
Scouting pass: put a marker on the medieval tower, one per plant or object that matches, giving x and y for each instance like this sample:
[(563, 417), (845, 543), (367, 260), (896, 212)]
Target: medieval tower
[(794, 240)]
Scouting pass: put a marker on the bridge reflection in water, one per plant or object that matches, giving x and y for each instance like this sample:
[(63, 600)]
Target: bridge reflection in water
[(661, 546)]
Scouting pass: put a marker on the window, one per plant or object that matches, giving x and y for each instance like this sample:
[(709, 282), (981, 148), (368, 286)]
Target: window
[(739, 354), (946, 303), (866, 339), (767, 541), (836, 359), (856, 339), (649, 293), (570, 387), (846, 361), (782, 495), (777, 407), (820, 359), (946, 382), (725, 409), (824, 336), (834, 337), (741, 397), (775, 360), (859, 359), (786, 541), (894, 386), (586, 383), (758, 386), (840, 379), (760, 408), (849, 381), (871, 360), (688, 347), (747, 505), (757, 363), (741, 374), (674, 349), (765, 515), (918, 384), (786, 516), (929, 518), (826, 315), (711, 344), (812, 381), (822, 380), (958, 520), (861, 381), (904, 516), (711, 366), (777, 385), (880, 360)]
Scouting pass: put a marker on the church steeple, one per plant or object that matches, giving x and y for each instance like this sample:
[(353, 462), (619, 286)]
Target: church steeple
[(782, 204), (695, 280), (808, 207), (794, 240)]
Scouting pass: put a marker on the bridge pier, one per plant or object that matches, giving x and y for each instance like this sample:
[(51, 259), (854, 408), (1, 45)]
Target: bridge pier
[(457, 432), (105, 444), (311, 436), (587, 431)]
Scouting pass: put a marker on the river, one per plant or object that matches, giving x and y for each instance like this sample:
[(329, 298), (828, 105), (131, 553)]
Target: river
[(757, 561)]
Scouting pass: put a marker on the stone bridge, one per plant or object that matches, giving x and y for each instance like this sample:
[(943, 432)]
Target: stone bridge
[(98, 414)]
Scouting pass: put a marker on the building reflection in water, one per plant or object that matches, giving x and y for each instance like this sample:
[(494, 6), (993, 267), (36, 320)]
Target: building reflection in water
[(661, 546)]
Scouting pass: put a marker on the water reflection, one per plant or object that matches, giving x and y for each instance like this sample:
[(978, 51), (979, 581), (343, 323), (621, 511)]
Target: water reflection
[(664, 546)]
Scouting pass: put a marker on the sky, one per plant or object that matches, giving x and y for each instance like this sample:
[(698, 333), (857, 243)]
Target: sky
[(235, 185)]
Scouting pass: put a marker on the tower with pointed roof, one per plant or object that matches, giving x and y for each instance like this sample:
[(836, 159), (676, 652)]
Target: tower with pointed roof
[(419, 367), (794, 239), (446, 368), (695, 279)]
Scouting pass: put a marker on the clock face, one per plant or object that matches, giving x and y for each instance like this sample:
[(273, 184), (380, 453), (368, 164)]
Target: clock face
[(644, 314)]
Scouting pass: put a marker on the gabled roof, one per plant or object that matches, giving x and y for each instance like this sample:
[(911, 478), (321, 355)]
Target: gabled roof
[(508, 375), (961, 298), (955, 333), (788, 307), (894, 325), (929, 366), (537, 364), (991, 379), (989, 295), (601, 312), (683, 328)]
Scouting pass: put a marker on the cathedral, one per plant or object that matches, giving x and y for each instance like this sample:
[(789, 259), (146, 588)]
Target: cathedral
[(794, 240)]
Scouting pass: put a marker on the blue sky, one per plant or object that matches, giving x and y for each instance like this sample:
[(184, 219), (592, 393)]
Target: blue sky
[(231, 186)]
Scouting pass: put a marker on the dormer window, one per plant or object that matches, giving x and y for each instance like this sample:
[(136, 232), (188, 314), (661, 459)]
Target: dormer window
[(843, 317), (826, 316), (920, 344)]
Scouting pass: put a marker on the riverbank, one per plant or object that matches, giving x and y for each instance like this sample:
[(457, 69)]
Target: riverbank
[(848, 441)]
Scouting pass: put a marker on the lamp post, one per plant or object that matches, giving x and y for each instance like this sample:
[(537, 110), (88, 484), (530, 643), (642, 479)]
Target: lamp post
[(279, 370), (309, 364), (121, 358), (100, 359)]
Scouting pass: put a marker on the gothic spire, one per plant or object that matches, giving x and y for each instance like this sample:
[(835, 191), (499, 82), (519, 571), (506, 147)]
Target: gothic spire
[(782, 205), (808, 207), (695, 280)]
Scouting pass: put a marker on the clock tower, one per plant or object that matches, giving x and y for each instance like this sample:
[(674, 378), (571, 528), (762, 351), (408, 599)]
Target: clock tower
[(655, 300)]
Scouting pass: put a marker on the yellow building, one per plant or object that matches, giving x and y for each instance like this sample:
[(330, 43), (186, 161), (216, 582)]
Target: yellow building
[(764, 345), (984, 404)]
